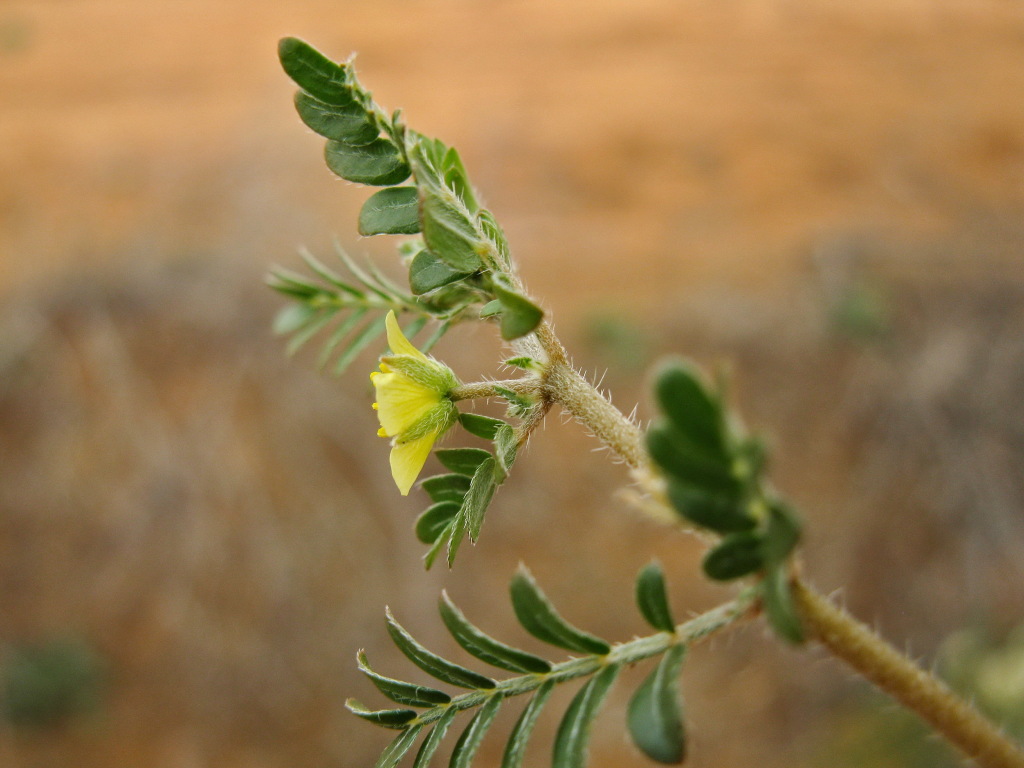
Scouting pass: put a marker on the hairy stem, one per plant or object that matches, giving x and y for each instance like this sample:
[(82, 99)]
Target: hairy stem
[(480, 389), (688, 633), (857, 645)]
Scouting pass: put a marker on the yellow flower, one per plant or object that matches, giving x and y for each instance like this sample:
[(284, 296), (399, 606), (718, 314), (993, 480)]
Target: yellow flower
[(412, 404)]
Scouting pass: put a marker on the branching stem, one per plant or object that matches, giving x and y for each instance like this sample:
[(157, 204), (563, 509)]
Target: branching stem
[(846, 638)]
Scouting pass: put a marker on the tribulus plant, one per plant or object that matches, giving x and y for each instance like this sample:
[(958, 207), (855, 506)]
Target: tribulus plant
[(695, 462)]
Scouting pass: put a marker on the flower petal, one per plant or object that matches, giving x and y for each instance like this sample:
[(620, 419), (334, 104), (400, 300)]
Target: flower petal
[(396, 339), (407, 459), (401, 402)]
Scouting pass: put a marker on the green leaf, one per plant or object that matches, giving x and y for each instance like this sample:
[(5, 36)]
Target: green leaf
[(519, 315), (486, 648), (444, 537), (339, 333), (464, 461), (378, 163), (435, 519), (401, 692), (396, 750), (541, 620), (474, 506), (481, 426), (524, 362), (655, 714), (505, 447), (717, 513), (293, 317), (779, 607), (689, 463), (469, 742), (456, 179), (391, 211), (298, 341), (314, 72), (433, 741), (491, 308), (448, 233), (737, 555), (652, 598), (574, 731), (349, 124), (433, 664), (446, 487), (690, 407), (360, 342), (427, 273), (493, 232), (386, 718), (481, 491), (515, 750), (782, 533)]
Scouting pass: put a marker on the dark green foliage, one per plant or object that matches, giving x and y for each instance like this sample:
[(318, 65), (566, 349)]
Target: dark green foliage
[(391, 211), (714, 480), (481, 426), (486, 648), (574, 731), (428, 273), (515, 750)]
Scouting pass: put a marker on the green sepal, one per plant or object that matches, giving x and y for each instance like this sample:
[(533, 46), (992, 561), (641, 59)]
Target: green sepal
[(397, 749), (481, 426), (716, 513), (779, 606), (519, 315), (386, 718), (433, 741), (427, 372), (738, 554), (427, 273), (401, 692), (391, 211), (314, 72), (469, 742), (378, 163), (350, 124), (435, 519), (485, 647), (655, 714), (435, 666), (652, 598), (463, 461), (448, 233), (574, 731), (541, 620), (446, 487), (515, 749)]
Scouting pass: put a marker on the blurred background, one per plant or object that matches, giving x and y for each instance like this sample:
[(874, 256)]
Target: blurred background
[(197, 534)]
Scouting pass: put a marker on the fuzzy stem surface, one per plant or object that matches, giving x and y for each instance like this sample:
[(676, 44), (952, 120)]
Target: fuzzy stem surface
[(960, 723)]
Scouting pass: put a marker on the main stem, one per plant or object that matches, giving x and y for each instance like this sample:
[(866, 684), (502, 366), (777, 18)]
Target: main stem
[(959, 722), (912, 686)]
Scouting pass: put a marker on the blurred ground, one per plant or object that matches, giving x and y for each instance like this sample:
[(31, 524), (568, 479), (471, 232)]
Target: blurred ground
[(826, 199)]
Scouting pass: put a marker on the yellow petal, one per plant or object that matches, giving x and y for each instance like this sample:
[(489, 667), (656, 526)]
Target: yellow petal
[(407, 460), (396, 339), (401, 402)]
